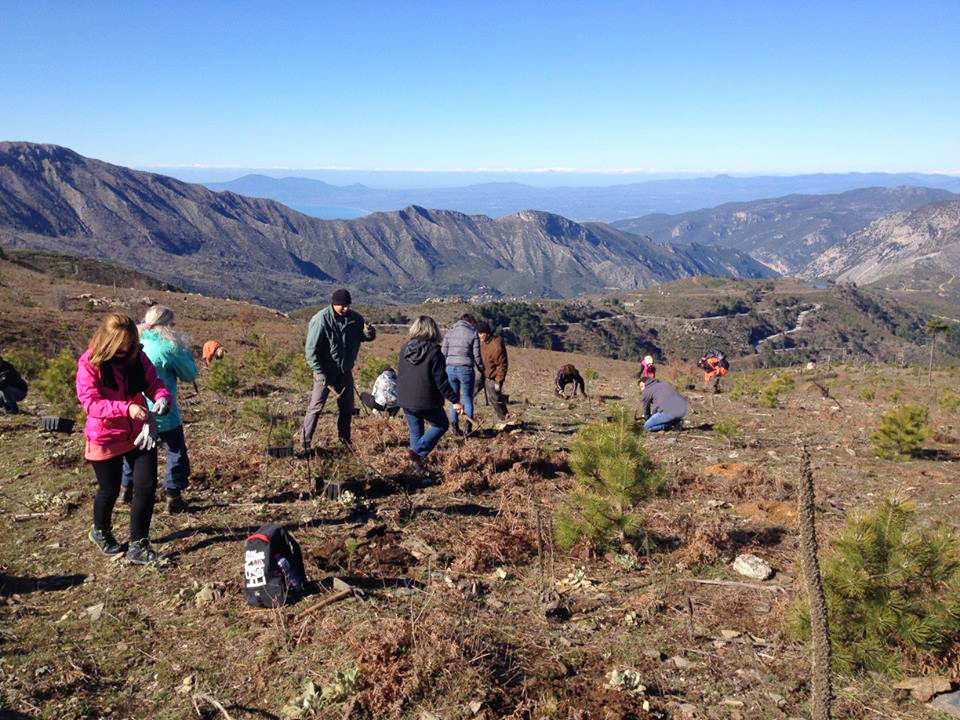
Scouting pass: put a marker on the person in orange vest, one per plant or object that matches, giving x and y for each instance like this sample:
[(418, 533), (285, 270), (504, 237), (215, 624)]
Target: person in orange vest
[(212, 350), (714, 365)]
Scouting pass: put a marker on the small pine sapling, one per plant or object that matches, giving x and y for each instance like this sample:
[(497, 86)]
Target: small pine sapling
[(612, 473), (900, 432), (728, 431), (224, 377), (891, 586), (57, 384)]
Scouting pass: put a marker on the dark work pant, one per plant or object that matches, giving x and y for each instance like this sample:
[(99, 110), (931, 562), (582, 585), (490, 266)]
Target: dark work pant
[(10, 396), (109, 474), (498, 400), (318, 398), (370, 402)]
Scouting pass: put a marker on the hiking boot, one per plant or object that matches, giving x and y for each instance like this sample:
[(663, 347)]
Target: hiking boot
[(105, 541), (418, 463), (127, 496), (176, 504), (140, 552)]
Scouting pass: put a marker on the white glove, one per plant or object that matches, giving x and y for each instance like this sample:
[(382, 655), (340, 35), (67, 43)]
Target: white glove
[(161, 406), (498, 387), (147, 439)]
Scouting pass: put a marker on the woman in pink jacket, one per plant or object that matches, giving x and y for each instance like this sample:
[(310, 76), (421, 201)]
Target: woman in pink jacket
[(113, 376)]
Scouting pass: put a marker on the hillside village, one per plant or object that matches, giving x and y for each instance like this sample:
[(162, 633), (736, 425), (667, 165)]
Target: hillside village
[(455, 599)]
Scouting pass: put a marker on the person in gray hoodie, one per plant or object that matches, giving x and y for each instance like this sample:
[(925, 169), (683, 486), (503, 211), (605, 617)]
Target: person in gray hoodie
[(461, 348), (663, 406)]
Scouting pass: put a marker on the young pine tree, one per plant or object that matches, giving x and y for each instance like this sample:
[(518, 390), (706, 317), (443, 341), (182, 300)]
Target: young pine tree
[(613, 474), (900, 432), (890, 586)]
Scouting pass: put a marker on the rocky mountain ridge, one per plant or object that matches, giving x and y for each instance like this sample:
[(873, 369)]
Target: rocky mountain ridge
[(55, 200), (786, 233)]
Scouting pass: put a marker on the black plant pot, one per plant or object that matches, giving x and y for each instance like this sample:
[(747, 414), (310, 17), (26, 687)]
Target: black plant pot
[(57, 424), (280, 451)]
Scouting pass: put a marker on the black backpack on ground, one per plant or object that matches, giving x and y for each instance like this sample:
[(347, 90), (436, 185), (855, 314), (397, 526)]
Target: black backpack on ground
[(272, 567)]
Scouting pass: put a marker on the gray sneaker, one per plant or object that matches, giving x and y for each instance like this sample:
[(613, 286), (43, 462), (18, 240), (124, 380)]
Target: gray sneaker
[(140, 552), (105, 541)]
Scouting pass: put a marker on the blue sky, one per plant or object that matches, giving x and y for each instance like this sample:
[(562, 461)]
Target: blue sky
[(703, 87)]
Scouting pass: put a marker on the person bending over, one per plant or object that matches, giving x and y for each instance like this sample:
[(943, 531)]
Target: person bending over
[(663, 406), (566, 375)]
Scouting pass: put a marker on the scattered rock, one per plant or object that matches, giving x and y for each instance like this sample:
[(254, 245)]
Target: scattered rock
[(95, 611), (948, 704), (682, 663), (752, 567), (779, 700), (924, 688), (204, 596), (476, 706), (186, 686), (730, 634)]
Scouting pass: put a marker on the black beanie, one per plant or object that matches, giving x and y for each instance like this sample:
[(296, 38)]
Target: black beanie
[(340, 297)]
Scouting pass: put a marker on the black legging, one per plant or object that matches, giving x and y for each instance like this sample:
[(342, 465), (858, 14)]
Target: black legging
[(109, 473)]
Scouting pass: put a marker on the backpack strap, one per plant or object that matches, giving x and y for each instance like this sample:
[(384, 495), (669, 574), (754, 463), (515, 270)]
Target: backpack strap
[(259, 536)]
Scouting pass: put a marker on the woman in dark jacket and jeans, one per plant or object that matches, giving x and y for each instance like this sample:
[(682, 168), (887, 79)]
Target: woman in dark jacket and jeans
[(422, 387)]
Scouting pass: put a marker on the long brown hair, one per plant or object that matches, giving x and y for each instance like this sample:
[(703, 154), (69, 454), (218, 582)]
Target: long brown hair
[(115, 331)]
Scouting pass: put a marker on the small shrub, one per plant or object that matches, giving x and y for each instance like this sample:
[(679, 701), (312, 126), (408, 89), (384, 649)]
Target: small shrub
[(590, 374), (900, 432), (300, 372), (890, 586), (267, 361), (372, 367), (778, 384), (867, 394), (224, 377), (748, 385), (274, 429), (27, 361), (729, 431), (57, 383), (613, 474), (949, 401)]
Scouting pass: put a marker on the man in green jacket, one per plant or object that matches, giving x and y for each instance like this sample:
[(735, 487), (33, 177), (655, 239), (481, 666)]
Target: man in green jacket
[(333, 341)]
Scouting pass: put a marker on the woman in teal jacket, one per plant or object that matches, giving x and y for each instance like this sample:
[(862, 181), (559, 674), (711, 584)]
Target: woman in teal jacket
[(169, 351)]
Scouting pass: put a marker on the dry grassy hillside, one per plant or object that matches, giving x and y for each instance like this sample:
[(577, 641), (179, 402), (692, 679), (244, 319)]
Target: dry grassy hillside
[(449, 619)]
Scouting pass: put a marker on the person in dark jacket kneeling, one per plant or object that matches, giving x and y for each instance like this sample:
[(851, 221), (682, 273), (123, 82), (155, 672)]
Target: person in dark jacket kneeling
[(663, 406), (422, 387)]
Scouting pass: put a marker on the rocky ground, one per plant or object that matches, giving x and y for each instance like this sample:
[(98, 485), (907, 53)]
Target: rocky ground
[(462, 607)]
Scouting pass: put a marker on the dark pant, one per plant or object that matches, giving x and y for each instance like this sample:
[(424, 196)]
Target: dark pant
[(177, 475), (497, 400), (422, 442), (109, 474), (318, 398), (369, 402), (10, 396)]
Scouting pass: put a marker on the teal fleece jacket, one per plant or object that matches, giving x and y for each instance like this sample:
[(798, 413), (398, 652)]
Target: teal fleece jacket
[(173, 362), (333, 342)]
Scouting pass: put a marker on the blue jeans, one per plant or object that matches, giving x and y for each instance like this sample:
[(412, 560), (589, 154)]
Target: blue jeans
[(178, 464), (661, 421), (461, 380), (423, 442)]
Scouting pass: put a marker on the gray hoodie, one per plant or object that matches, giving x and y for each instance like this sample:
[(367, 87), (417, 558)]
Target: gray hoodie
[(661, 397), (461, 346)]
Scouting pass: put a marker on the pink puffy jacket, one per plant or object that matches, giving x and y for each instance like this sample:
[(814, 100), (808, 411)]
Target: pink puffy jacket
[(107, 418)]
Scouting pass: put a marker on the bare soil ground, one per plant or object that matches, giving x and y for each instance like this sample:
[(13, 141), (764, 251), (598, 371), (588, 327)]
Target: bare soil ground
[(451, 621)]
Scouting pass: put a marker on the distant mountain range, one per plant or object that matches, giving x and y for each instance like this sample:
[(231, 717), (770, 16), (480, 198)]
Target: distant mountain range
[(222, 243), (918, 250), (786, 233), (610, 203)]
